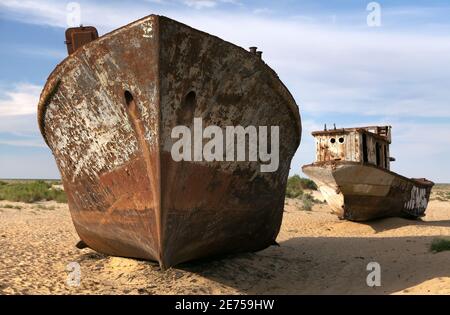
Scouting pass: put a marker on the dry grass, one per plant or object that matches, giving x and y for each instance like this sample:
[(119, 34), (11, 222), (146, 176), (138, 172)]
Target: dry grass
[(440, 245), (30, 191), (8, 206)]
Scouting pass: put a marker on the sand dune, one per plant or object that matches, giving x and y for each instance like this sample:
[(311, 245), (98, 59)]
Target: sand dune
[(318, 254)]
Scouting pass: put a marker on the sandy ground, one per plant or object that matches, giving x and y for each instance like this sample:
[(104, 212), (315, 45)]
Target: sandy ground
[(318, 254)]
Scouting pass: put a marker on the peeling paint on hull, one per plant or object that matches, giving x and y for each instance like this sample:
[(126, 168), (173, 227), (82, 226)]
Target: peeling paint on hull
[(359, 192), (107, 112)]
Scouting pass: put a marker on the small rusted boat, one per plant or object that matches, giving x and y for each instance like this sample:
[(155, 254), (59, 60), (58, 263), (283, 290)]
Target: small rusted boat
[(108, 111), (352, 171)]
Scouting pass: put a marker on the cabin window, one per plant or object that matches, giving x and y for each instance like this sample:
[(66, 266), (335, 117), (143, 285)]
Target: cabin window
[(364, 143), (386, 158), (341, 140), (378, 153), (332, 140)]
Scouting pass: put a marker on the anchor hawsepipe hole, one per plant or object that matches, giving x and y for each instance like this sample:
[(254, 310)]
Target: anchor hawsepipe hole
[(132, 109), (132, 112), (189, 99), (134, 117), (185, 113), (129, 98)]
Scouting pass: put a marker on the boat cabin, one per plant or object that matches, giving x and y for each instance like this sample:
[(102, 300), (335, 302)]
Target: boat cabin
[(367, 145)]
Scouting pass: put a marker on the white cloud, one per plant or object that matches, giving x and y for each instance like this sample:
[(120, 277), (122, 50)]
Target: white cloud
[(37, 12), (18, 105), (19, 125), (54, 13), (262, 11), (105, 16), (38, 164), (24, 143), (21, 99), (200, 4), (329, 69), (39, 52)]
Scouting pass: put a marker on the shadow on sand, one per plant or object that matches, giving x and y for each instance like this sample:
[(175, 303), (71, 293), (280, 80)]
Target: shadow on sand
[(326, 265), (381, 225)]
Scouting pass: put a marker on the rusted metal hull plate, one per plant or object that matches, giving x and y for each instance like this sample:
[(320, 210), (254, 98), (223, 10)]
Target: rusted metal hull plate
[(107, 113), (360, 192)]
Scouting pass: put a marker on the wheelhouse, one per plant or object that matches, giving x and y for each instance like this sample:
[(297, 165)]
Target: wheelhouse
[(367, 145)]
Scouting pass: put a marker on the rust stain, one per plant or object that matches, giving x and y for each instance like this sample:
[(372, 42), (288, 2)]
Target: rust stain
[(76, 37), (150, 169), (107, 112), (352, 170)]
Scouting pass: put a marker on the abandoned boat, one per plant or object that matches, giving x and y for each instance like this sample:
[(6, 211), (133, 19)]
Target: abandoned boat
[(108, 112), (352, 171)]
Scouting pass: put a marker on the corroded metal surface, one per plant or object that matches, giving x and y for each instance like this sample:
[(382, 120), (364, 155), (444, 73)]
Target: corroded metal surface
[(364, 144), (352, 171), (107, 112), (364, 192), (76, 37)]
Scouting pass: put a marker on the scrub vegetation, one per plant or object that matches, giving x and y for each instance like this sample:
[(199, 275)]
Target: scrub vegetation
[(296, 189), (31, 191)]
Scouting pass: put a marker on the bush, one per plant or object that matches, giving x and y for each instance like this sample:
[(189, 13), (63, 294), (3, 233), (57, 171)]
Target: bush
[(308, 184), (31, 192), (308, 201), (439, 245), (296, 185)]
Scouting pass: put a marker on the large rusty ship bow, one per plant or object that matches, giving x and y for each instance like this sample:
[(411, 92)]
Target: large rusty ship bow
[(107, 112)]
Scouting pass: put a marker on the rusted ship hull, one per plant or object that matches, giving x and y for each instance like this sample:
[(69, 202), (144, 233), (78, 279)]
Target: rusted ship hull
[(359, 192), (107, 112)]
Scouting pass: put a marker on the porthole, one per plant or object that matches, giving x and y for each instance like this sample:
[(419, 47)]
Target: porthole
[(341, 140), (332, 140)]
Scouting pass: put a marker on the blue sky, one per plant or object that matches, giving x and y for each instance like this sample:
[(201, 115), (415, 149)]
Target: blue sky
[(338, 68)]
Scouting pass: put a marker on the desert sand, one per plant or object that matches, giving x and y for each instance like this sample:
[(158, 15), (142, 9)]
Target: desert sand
[(318, 254)]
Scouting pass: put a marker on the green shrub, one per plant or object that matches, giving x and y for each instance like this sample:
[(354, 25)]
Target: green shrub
[(308, 184), (439, 245), (31, 192), (308, 201), (296, 185)]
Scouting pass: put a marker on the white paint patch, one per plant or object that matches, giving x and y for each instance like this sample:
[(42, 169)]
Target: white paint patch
[(90, 134), (147, 27), (418, 200)]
